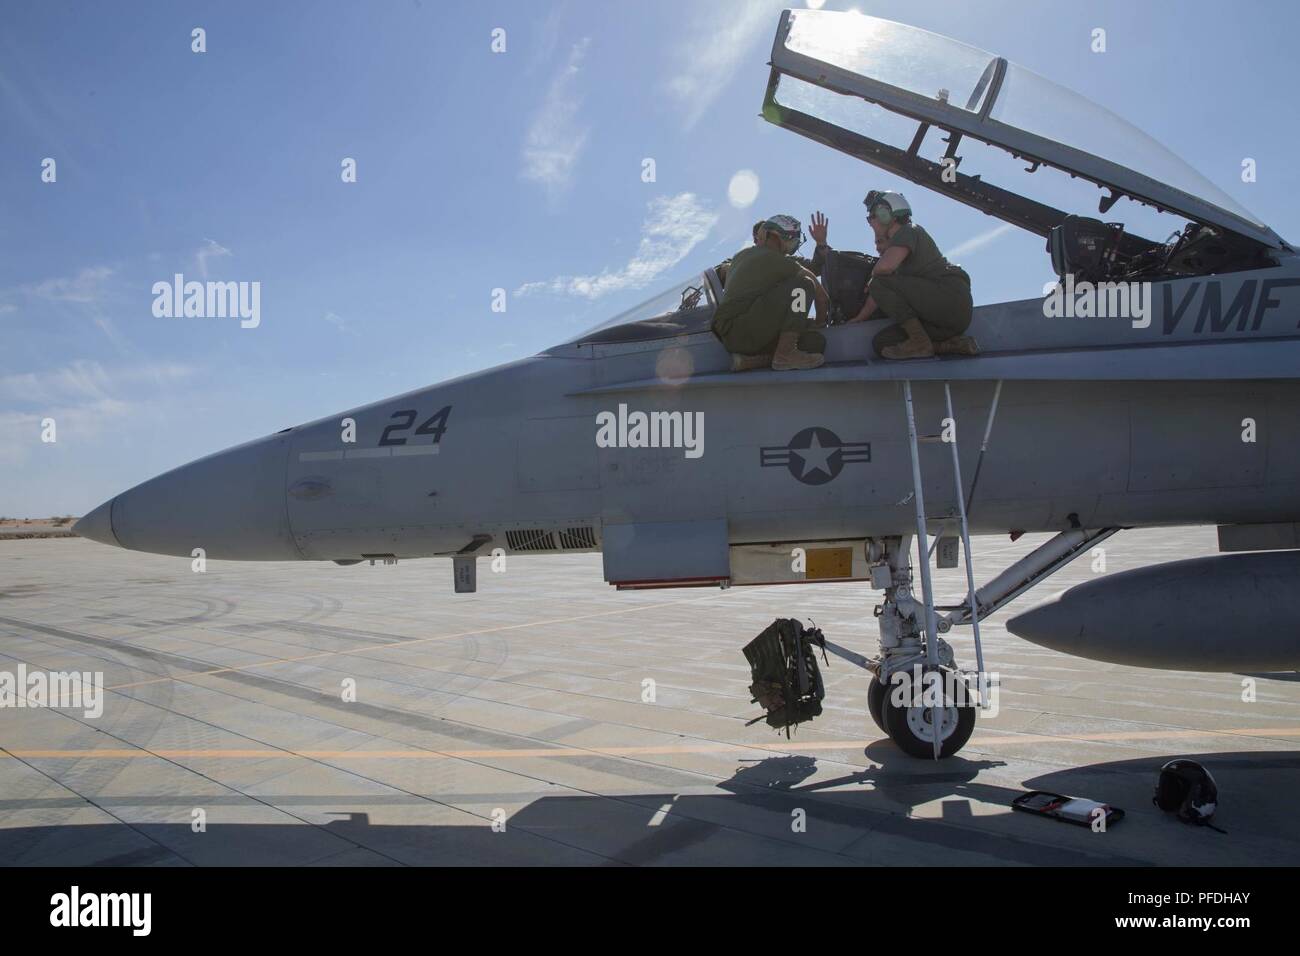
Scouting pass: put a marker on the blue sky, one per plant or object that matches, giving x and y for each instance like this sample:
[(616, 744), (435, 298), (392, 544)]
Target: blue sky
[(475, 171)]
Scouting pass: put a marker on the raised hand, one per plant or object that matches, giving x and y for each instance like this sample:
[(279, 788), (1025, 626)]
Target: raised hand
[(817, 228)]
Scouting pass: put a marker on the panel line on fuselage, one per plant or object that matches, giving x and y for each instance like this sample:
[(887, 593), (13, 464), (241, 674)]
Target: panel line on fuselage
[(397, 452)]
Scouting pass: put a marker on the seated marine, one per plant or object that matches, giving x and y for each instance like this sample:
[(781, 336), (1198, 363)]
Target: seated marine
[(928, 297), (763, 317)]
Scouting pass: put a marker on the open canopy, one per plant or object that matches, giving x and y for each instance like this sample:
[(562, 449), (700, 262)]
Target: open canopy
[(824, 64)]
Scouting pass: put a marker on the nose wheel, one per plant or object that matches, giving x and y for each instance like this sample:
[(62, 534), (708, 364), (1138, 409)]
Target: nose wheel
[(914, 729), (876, 702)]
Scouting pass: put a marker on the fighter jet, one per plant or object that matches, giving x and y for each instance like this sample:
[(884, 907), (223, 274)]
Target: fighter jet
[(635, 440)]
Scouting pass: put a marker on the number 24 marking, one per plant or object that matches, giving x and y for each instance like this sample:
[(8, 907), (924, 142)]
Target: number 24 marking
[(435, 426)]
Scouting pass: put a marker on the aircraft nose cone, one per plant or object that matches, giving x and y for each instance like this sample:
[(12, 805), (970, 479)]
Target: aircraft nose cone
[(230, 505), (98, 525)]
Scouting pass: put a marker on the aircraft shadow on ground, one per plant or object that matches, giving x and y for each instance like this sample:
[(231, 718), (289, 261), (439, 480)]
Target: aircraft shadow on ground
[(867, 813)]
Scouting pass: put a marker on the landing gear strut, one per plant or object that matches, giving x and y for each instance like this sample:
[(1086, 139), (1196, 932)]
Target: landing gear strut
[(913, 716)]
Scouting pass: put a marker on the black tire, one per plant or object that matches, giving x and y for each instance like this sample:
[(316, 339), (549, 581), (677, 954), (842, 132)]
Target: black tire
[(876, 701), (897, 725)]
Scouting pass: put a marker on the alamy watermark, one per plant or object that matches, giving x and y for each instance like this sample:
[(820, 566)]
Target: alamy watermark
[(1098, 300), (944, 688), (75, 908), (624, 429), (208, 300), (61, 690)]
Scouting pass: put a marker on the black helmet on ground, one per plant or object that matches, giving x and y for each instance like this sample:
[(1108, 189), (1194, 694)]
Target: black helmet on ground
[(1186, 788)]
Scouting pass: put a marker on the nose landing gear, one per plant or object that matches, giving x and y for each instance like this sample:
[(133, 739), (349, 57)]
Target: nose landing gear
[(931, 722)]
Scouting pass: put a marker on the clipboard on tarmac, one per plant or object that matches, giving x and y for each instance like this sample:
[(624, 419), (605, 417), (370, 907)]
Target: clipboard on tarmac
[(1076, 810)]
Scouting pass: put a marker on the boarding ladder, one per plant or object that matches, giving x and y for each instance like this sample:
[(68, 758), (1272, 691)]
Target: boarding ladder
[(931, 624)]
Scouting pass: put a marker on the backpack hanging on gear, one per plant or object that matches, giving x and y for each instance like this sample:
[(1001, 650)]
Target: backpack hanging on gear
[(787, 682)]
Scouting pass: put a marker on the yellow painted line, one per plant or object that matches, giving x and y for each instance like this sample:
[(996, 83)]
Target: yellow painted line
[(118, 754), (109, 753), (1030, 737), (389, 646)]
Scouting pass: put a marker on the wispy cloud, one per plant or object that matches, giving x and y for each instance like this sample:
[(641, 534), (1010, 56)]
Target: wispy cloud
[(88, 292), (86, 286), (547, 38), (340, 323), (209, 250), (555, 138), (976, 243), (87, 422), (85, 380), (86, 401), (673, 227), (716, 43)]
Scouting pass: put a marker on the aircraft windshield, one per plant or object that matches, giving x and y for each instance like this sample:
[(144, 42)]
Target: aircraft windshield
[(685, 306), (937, 67), (906, 57), (1037, 105)]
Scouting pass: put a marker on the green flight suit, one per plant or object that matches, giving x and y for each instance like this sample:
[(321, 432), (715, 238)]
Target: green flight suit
[(759, 302), (925, 287)]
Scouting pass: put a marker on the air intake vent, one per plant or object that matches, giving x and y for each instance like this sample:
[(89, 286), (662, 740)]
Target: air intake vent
[(577, 539), (534, 540)]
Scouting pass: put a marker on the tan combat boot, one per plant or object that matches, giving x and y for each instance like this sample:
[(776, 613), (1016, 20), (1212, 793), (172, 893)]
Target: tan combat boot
[(788, 356), (744, 363), (957, 345), (916, 345)]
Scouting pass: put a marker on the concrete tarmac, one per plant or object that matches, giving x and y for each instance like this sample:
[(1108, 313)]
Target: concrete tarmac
[(309, 714)]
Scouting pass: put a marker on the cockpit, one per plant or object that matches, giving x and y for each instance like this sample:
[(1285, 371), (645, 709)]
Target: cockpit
[(684, 307)]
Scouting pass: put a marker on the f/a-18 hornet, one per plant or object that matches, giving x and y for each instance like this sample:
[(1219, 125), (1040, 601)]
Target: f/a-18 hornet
[(1179, 406)]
